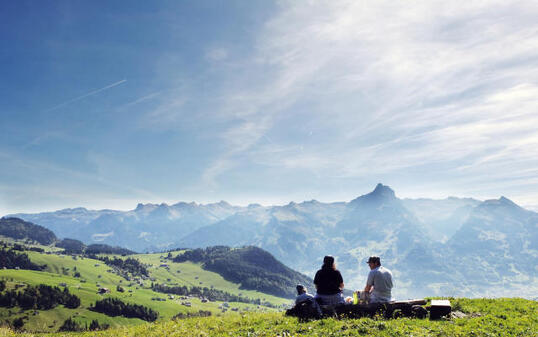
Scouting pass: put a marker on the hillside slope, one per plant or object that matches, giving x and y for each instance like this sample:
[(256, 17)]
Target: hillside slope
[(19, 229), (252, 267), (84, 276)]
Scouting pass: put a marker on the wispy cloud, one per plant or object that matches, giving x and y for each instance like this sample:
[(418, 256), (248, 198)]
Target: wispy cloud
[(343, 90), (91, 93), (142, 99), (393, 86), (48, 185)]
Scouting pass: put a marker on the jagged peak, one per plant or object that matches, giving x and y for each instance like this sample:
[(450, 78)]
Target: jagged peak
[(71, 210), (185, 204), (381, 192), (143, 207), (503, 201)]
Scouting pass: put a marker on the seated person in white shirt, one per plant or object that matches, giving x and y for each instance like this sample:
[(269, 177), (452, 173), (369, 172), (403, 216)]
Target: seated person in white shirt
[(379, 282)]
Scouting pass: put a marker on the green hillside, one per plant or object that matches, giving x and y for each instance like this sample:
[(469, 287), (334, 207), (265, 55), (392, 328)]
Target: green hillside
[(252, 267), (84, 276), (479, 317), (19, 229)]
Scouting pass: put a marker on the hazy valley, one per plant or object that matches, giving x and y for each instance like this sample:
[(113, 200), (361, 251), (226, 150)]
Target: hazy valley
[(449, 247)]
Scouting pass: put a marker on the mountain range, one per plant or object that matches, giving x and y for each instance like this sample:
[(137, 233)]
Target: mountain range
[(448, 247)]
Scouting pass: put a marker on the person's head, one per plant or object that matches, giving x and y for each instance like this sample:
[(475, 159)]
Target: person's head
[(300, 289), (328, 262), (374, 262)]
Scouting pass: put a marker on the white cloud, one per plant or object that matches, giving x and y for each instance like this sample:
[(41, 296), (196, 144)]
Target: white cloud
[(411, 84), (387, 86)]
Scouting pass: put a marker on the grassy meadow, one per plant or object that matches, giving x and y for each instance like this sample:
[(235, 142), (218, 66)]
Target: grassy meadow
[(484, 317)]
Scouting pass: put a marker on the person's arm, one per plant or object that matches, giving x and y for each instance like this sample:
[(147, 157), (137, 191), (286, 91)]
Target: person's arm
[(369, 282), (341, 281), (316, 280)]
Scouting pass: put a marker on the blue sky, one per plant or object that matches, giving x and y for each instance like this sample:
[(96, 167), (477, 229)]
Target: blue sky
[(105, 104)]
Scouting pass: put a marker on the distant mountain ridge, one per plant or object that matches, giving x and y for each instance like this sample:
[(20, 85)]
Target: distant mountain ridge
[(423, 241)]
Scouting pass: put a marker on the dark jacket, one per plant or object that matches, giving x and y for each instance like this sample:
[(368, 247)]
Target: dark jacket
[(328, 281)]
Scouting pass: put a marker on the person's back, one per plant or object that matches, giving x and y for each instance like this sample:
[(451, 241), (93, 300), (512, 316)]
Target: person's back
[(379, 282), (329, 283), (381, 279)]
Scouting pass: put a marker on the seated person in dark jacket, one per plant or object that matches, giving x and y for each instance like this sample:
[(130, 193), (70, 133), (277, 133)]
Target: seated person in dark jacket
[(304, 296), (329, 283)]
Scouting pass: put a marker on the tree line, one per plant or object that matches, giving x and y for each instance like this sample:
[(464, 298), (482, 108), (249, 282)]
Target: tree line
[(11, 259), (41, 297), (72, 325), (22, 248), (210, 294), (129, 265), (73, 246), (116, 307), (200, 313)]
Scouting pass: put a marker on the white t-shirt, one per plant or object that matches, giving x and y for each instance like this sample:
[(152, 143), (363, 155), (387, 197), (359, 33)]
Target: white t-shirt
[(381, 279)]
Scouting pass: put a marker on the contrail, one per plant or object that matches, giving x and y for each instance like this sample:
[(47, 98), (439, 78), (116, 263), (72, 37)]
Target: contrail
[(85, 95)]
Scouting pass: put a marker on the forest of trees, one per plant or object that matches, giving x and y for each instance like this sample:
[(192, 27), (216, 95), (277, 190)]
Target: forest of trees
[(41, 297), (210, 294), (251, 266), (71, 246), (19, 229), (106, 249), (71, 325), (11, 259), (116, 307), (129, 265), (200, 313)]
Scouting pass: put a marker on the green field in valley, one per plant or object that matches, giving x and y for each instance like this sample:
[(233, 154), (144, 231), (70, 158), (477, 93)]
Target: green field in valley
[(95, 274)]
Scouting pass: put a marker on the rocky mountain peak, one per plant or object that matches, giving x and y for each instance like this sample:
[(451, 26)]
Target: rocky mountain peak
[(384, 191), (223, 203), (502, 201), (379, 194)]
